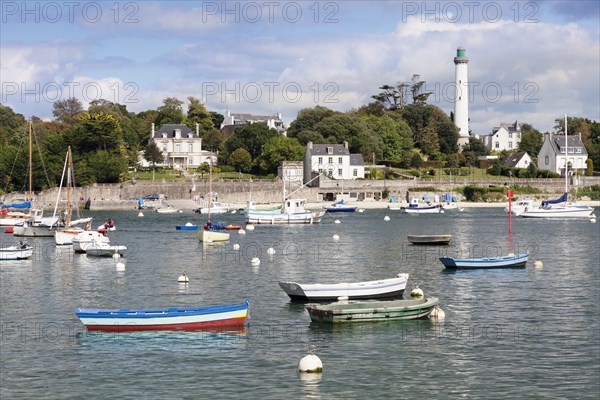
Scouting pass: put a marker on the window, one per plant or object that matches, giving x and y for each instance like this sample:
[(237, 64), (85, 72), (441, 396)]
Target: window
[(177, 148), (340, 172), (320, 160), (330, 160), (355, 172), (191, 148), (164, 148), (330, 150), (510, 135), (340, 160), (546, 160), (497, 145), (510, 145)]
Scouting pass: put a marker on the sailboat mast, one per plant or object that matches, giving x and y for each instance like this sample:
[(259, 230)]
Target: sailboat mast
[(209, 186), (566, 157), (69, 172), (30, 161)]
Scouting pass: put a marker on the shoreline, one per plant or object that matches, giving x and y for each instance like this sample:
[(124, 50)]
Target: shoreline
[(190, 205)]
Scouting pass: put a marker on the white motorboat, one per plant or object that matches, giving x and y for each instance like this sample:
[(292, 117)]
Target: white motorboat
[(101, 249), (83, 239), (20, 251)]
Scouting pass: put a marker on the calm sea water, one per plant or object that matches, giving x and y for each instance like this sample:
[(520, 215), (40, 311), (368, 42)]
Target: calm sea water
[(523, 333)]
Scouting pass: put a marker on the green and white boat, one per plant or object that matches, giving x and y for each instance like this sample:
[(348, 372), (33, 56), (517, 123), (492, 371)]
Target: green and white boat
[(371, 311)]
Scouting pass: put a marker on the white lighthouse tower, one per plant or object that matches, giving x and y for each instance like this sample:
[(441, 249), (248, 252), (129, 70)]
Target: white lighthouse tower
[(461, 99)]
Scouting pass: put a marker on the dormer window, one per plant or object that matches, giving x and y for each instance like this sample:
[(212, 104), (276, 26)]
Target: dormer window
[(164, 135), (330, 150)]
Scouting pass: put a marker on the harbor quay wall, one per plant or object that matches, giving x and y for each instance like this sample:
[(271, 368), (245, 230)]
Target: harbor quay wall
[(237, 192)]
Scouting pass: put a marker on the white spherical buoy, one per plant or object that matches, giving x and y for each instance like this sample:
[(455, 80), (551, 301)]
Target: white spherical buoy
[(336, 237), (236, 246), (593, 220), (255, 261), (361, 210), (183, 278), (337, 221), (241, 231), (386, 218), (116, 256), (249, 227), (180, 211), (310, 362), (538, 264), (270, 251), (120, 266), (416, 292), (140, 214), (437, 313)]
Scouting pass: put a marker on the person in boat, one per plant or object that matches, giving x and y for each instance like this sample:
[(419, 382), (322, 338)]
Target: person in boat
[(111, 223)]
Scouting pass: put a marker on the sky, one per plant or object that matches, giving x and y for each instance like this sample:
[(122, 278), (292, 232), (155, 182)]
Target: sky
[(530, 61)]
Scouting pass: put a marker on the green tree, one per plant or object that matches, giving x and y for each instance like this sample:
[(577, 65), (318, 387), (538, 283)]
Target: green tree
[(416, 161), (394, 133), (589, 167), (241, 160), (153, 155), (531, 170), (531, 141), (278, 149), (310, 136), (473, 149), (251, 137), (307, 119), (171, 112), (419, 117), (217, 119), (198, 114), (393, 97), (96, 131), (107, 167), (212, 140), (67, 110), (13, 126)]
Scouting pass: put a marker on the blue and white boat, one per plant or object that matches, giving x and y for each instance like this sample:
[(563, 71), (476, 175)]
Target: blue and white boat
[(20, 251), (340, 206), (509, 261), (219, 317), (415, 208), (187, 227)]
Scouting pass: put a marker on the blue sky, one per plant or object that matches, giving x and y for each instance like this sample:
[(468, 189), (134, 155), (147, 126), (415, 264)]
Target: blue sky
[(529, 61)]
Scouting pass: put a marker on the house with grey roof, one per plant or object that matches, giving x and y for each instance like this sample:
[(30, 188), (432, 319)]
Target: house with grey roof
[(556, 152), (181, 147), (503, 137), (233, 119), (519, 159), (333, 160)]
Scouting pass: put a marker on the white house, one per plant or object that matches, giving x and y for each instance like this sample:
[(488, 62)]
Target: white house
[(181, 147), (272, 121), (333, 160), (503, 137), (554, 154), (517, 160)]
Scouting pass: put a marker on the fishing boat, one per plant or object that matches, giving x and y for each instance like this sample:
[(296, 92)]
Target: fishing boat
[(383, 288), (216, 207), (169, 209), (219, 317), (292, 212), (103, 249), (340, 207), (187, 227), (429, 239), (520, 206), (20, 251), (509, 261), (10, 217), (561, 207), (212, 233), (371, 311), (84, 239)]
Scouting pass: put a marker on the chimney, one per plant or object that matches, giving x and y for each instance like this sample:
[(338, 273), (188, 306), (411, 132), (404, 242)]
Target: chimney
[(309, 145), (345, 144), (152, 132), (579, 133), (198, 129)]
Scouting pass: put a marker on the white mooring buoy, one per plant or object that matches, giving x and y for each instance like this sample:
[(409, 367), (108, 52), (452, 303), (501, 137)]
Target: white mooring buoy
[(335, 236), (437, 313), (140, 214), (241, 231), (360, 210), (183, 278), (310, 363), (116, 256), (538, 264), (236, 246), (593, 219), (416, 292), (255, 261), (270, 251), (386, 218), (249, 227), (337, 221), (120, 266)]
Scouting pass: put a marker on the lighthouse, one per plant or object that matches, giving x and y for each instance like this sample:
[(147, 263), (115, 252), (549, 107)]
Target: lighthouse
[(461, 99)]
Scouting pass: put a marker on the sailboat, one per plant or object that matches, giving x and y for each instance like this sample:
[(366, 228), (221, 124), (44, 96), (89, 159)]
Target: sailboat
[(211, 233), (36, 224), (561, 207), (65, 235)]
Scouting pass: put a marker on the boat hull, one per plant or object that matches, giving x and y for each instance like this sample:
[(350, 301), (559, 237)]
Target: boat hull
[(429, 239), (213, 236), (33, 231), (186, 227), (15, 253), (559, 212), (268, 218), (422, 210), (511, 261), (380, 289), (200, 318), (371, 311), (93, 249)]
